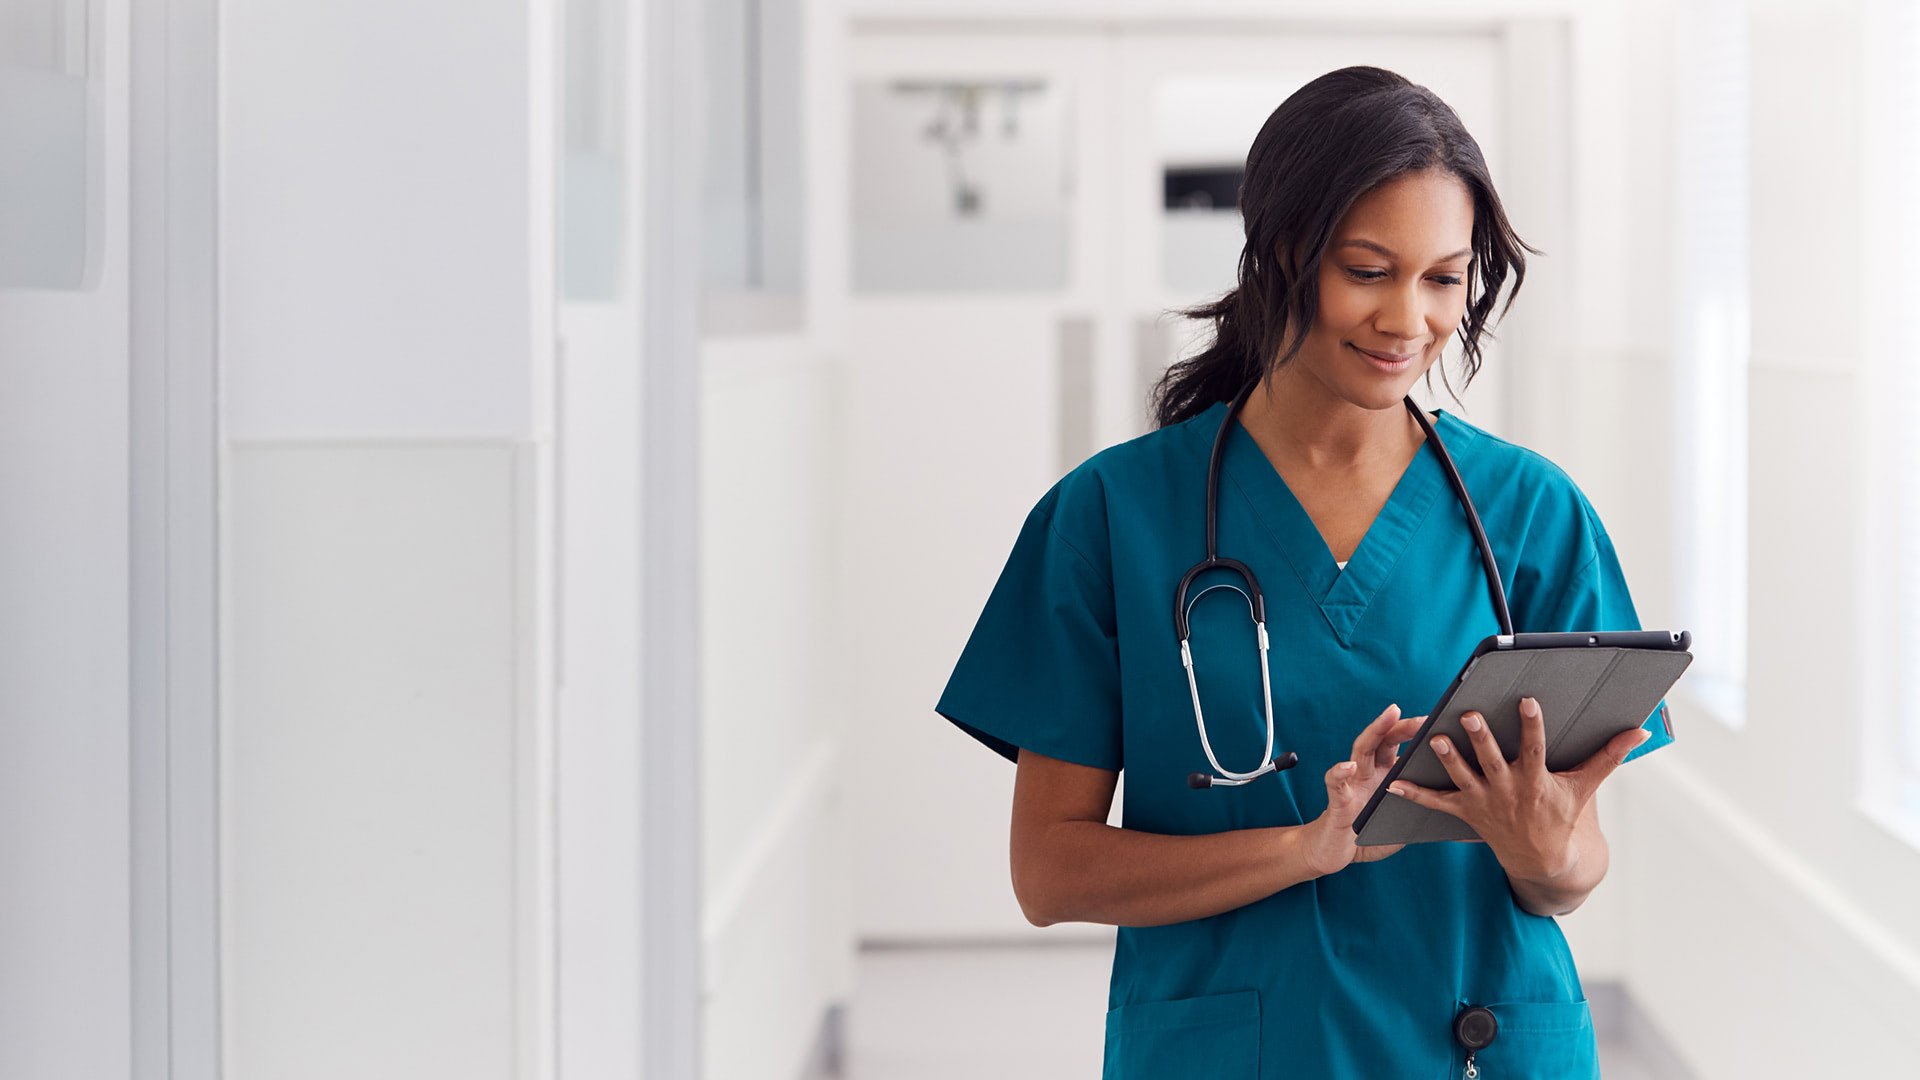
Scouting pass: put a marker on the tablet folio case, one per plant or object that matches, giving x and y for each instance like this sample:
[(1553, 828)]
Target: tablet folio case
[(1587, 696)]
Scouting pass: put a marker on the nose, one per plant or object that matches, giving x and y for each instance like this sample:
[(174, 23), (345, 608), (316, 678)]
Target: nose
[(1403, 313)]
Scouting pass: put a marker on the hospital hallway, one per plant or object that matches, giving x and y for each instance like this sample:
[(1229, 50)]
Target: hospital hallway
[(535, 534)]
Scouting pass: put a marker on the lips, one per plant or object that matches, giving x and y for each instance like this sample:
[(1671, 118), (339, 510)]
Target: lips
[(1386, 363), (1388, 358)]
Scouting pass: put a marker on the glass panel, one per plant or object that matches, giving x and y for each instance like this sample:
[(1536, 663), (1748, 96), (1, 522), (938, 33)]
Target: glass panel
[(44, 119), (756, 195), (1711, 299), (593, 226), (960, 185), (45, 35), (1902, 383)]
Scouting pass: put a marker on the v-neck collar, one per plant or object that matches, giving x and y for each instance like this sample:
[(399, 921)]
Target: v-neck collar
[(1343, 596)]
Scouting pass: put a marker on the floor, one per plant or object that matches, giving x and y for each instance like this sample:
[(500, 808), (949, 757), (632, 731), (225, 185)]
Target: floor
[(1009, 1012)]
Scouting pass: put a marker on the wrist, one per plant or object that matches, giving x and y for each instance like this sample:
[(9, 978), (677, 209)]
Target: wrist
[(1310, 841), (1555, 868), (1551, 891)]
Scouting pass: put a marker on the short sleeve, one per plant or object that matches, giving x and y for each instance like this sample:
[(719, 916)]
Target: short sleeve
[(1042, 667), (1596, 598)]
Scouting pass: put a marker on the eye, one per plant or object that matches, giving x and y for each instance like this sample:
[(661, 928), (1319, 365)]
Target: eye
[(1376, 275)]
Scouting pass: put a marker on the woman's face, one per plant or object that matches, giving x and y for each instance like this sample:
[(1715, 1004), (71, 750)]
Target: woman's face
[(1392, 282)]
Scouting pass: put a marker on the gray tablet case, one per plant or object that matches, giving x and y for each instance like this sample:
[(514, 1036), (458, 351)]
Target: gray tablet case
[(1587, 696)]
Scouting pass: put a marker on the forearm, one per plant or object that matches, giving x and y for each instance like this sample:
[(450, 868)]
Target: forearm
[(1562, 894), (1089, 871)]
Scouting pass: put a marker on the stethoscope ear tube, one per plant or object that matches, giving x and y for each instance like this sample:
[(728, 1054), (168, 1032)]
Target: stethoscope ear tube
[(1257, 602)]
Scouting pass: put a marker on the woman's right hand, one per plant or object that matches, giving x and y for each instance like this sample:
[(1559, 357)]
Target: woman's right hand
[(1330, 846)]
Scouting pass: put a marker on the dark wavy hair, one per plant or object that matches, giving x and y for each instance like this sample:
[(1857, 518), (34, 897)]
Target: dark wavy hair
[(1332, 141)]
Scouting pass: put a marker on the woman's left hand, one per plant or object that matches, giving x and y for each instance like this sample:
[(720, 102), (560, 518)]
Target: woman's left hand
[(1524, 813)]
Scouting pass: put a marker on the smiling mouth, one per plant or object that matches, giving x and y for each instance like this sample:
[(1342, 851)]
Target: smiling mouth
[(1385, 364), (1387, 358)]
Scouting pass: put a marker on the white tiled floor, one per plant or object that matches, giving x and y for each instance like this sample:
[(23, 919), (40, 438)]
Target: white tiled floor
[(1007, 1012)]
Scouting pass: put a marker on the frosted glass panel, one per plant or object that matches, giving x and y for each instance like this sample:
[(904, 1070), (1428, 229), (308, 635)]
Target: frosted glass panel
[(43, 143), (45, 35), (960, 186), (593, 221), (1712, 317), (756, 199)]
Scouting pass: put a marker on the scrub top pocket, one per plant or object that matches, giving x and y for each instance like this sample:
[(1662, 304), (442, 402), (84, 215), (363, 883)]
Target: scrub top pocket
[(1214, 1036), (1537, 1040)]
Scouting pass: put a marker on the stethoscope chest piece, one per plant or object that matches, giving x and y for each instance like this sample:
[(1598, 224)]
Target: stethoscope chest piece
[(1475, 1028)]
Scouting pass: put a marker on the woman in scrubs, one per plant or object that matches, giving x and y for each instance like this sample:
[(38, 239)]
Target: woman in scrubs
[(1255, 939)]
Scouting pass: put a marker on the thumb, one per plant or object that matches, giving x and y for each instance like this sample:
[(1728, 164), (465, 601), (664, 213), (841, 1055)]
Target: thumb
[(1610, 757), (1338, 779)]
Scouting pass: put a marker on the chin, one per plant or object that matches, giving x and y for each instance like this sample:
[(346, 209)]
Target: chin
[(1380, 396)]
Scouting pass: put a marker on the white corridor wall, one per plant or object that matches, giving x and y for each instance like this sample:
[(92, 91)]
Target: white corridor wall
[(387, 346)]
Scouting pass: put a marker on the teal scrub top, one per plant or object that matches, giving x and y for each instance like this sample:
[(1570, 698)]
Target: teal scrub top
[(1359, 973)]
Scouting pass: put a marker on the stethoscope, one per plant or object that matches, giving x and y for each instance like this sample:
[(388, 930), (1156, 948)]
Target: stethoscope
[(1182, 607)]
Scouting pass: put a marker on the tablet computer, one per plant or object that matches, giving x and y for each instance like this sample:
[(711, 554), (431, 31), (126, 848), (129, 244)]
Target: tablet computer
[(1591, 687)]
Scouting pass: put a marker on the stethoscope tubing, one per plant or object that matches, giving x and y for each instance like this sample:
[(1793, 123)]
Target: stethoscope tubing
[(1222, 775), (1256, 603)]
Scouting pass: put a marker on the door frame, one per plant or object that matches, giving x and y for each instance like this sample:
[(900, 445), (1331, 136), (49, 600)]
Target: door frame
[(674, 126), (174, 544)]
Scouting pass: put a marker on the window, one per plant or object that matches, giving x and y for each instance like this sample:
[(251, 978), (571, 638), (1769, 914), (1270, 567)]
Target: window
[(1710, 353), (1889, 527), (594, 190), (961, 184), (49, 114), (755, 214)]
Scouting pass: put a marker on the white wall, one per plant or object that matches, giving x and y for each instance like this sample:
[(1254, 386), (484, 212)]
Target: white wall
[(378, 760), (387, 321), (381, 271), (65, 813), (778, 892), (777, 897)]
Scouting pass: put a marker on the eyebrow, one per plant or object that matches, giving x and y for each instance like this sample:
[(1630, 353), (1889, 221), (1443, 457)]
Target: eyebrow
[(1371, 246)]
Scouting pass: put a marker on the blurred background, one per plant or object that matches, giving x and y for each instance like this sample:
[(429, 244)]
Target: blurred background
[(491, 491)]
